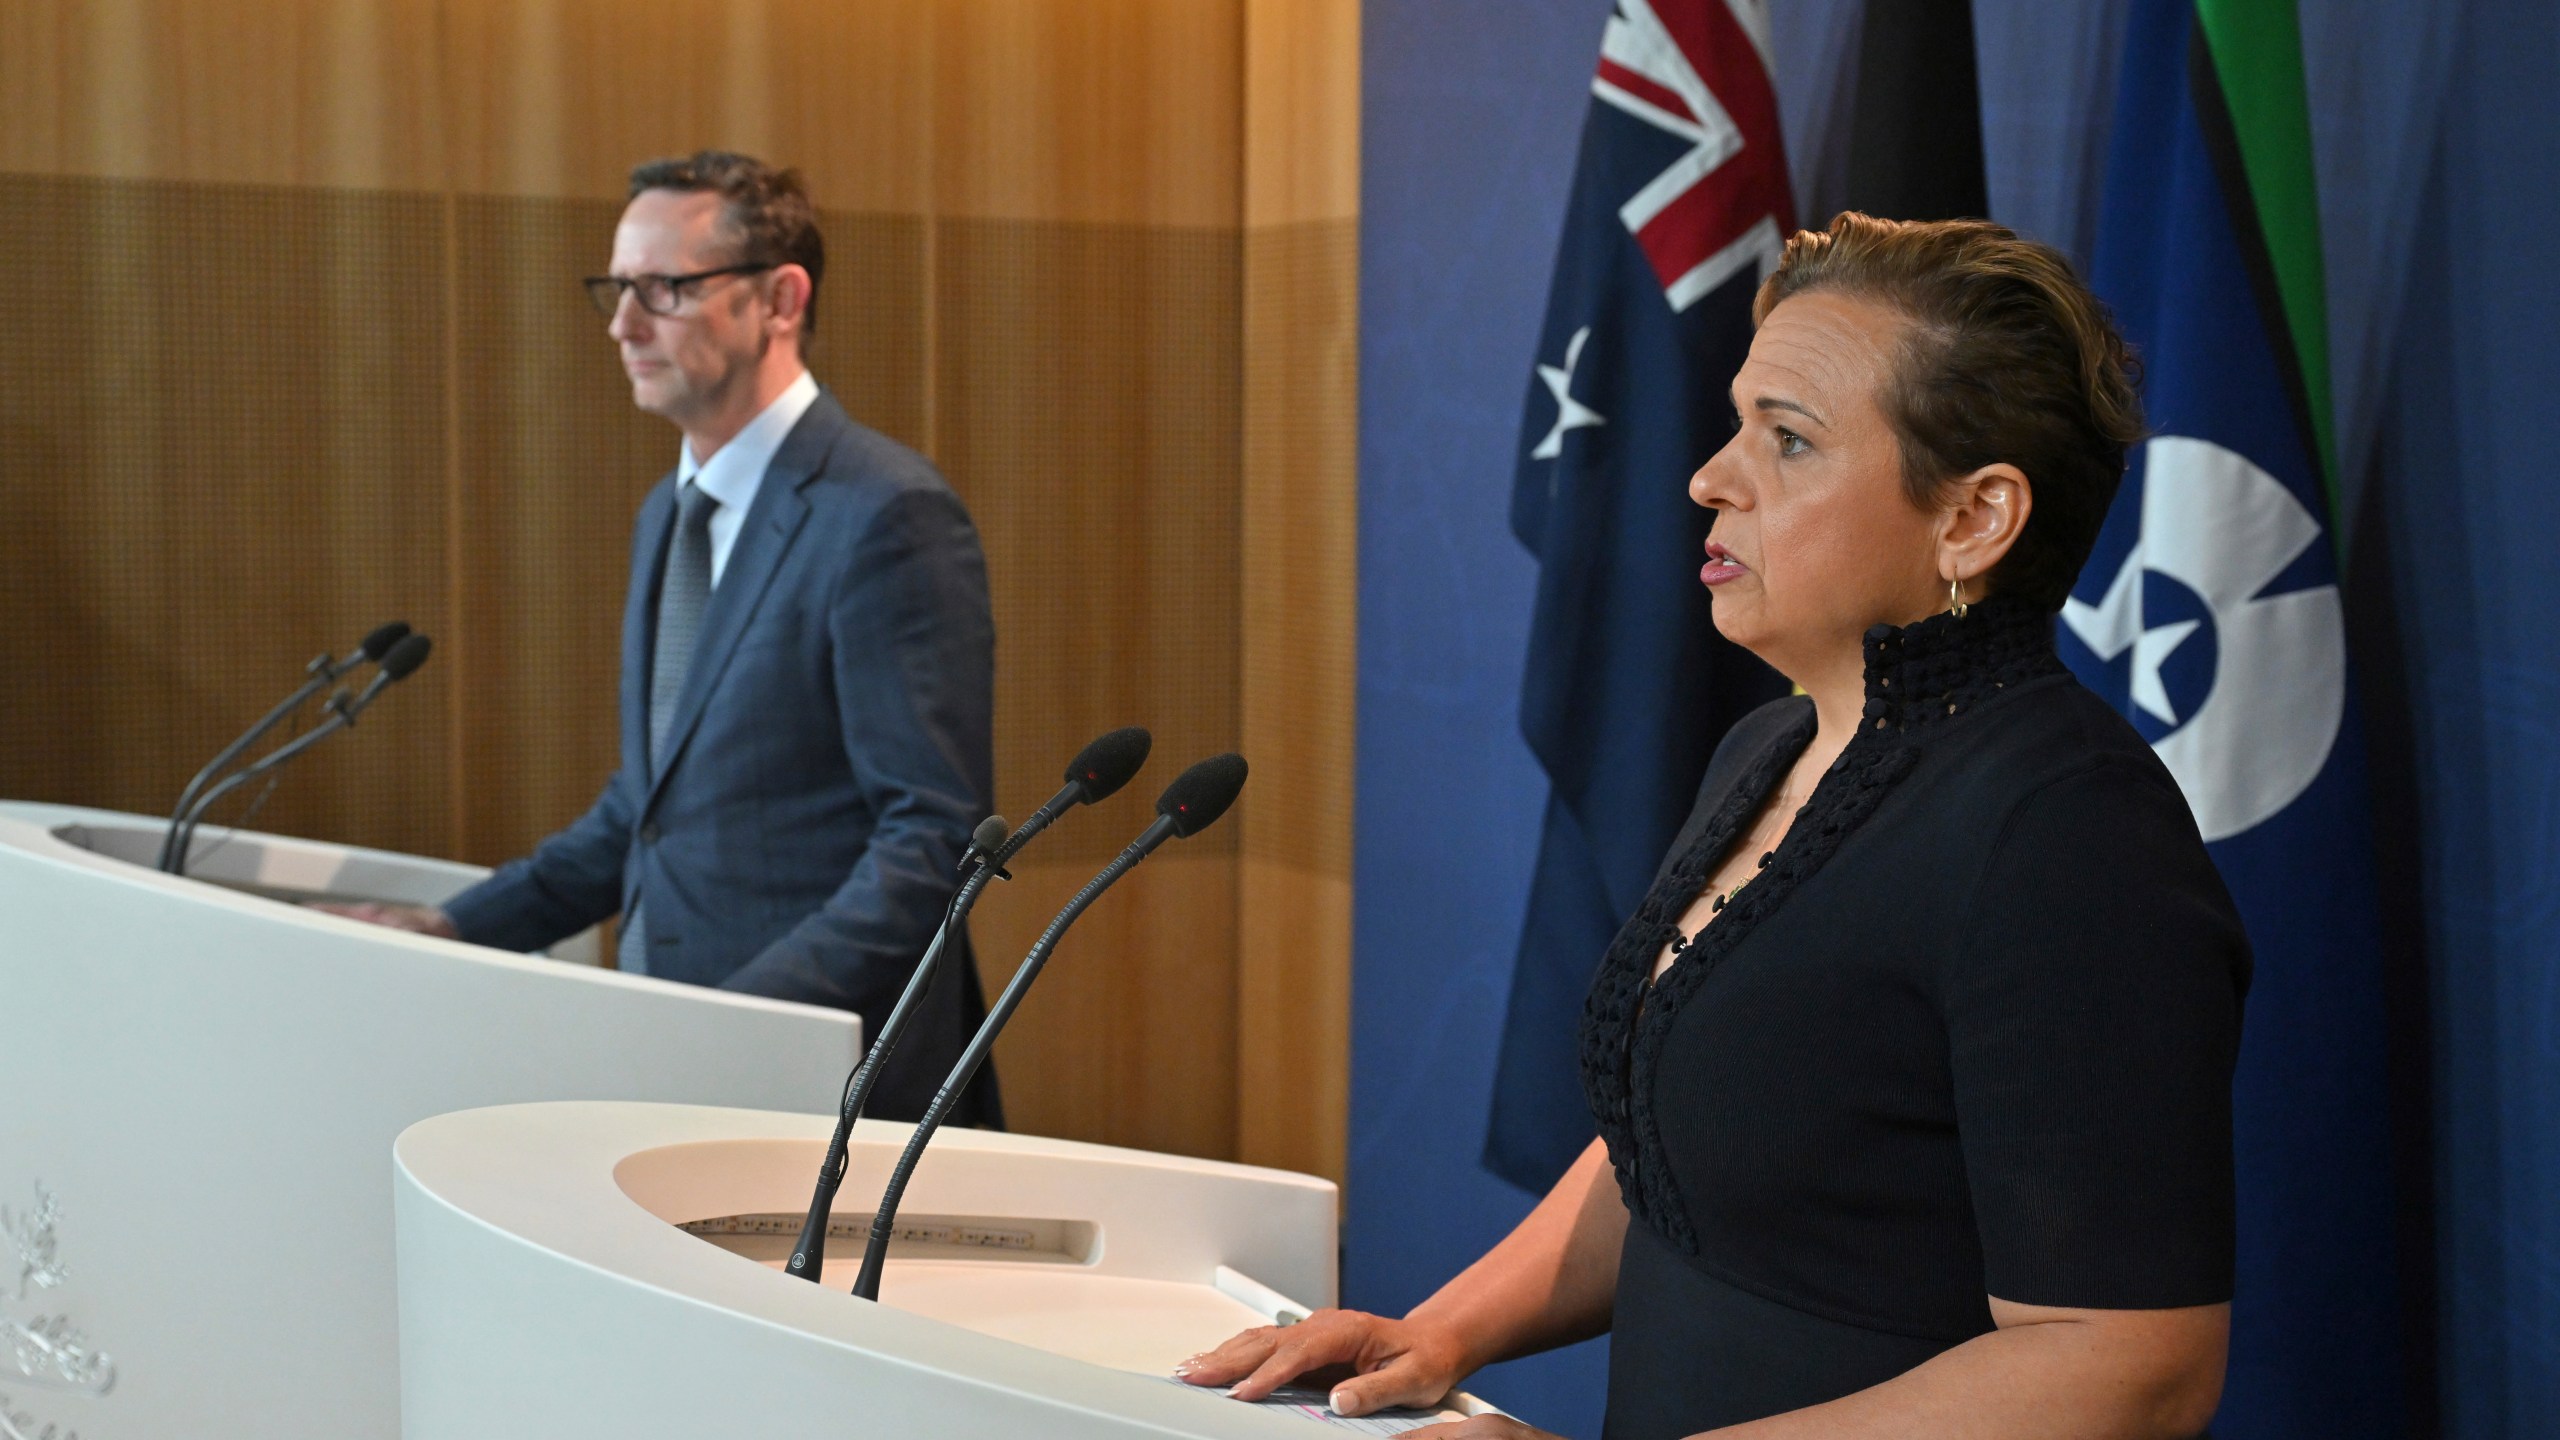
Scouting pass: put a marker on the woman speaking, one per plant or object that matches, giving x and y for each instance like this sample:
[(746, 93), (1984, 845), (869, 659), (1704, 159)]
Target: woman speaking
[(1912, 1072)]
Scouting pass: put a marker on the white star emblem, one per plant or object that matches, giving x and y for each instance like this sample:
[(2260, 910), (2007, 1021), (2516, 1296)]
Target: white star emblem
[(1571, 414), (2261, 733), (2115, 623)]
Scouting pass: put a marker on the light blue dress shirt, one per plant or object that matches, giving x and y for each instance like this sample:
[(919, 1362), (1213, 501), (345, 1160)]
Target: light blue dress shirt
[(736, 470)]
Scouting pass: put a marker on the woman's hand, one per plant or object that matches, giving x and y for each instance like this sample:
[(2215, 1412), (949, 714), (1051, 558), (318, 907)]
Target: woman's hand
[(1371, 1361), (1482, 1427)]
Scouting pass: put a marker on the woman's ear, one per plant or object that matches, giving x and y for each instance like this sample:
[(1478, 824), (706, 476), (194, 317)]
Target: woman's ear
[(1989, 514)]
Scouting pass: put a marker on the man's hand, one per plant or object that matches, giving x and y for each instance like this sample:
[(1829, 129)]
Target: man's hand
[(1374, 1362), (419, 919)]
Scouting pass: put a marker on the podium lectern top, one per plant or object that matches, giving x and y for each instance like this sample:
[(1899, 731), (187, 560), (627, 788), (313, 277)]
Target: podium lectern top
[(608, 1269)]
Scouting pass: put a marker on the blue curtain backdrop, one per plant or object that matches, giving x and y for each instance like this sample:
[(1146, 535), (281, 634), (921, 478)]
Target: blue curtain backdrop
[(2435, 129)]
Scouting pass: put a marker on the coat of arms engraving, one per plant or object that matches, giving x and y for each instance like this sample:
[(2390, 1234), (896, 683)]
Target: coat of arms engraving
[(42, 1351)]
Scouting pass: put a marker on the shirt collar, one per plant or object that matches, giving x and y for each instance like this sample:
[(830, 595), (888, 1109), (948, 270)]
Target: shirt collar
[(736, 470)]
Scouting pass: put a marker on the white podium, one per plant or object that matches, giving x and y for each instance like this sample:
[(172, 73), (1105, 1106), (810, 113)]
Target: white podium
[(614, 1270), (207, 1083)]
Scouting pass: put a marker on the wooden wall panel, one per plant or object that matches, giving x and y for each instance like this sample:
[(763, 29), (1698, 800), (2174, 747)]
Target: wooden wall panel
[(1087, 394), (1129, 1038), (562, 97), (549, 462), (1113, 112), (1299, 579), (1299, 635), (220, 428), (329, 366), (244, 92), (1301, 111), (1087, 391)]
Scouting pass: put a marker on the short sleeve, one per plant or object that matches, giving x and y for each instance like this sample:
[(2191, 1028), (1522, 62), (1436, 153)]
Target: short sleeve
[(2093, 1018)]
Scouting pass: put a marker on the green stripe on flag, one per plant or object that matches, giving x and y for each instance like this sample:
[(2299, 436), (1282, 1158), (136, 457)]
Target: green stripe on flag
[(2257, 53)]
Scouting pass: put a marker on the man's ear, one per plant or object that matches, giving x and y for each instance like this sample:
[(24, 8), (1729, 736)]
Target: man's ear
[(791, 296), (1989, 514)]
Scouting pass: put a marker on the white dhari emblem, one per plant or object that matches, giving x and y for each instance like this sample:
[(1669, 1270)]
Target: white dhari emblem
[(39, 1351)]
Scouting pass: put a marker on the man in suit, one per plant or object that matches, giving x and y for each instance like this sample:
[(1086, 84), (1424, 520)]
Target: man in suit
[(807, 657)]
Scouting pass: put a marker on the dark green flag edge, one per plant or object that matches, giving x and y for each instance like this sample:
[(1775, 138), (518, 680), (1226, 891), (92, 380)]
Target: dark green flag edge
[(2245, 66)]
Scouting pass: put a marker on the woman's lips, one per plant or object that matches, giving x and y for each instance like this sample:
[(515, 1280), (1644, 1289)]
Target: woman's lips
[(1720, 566)]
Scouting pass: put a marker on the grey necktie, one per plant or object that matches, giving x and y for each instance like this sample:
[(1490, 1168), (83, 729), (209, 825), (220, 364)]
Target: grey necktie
[(681, 596), (682, 593)]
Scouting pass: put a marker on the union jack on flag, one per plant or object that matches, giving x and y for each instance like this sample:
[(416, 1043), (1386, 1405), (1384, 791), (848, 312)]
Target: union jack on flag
[(1701, 72)]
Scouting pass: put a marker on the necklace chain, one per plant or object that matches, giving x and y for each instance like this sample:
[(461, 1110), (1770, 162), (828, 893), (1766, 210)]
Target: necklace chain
[(1782, 814)]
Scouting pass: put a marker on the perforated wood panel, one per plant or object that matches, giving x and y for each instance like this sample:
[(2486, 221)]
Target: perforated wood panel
[(1300, 628), (221, 452)]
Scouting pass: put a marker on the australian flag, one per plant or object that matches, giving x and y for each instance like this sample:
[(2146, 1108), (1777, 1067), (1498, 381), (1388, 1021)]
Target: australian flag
[(1680, 204), (2210, 614)]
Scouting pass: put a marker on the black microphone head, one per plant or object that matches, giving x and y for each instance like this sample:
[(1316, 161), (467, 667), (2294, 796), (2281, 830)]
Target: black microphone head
[(378, 644), (1199, 795), (1109, 763), (988, 838), (406, 657)]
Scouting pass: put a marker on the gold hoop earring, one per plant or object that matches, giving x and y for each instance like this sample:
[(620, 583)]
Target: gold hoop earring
[(1955, 598)]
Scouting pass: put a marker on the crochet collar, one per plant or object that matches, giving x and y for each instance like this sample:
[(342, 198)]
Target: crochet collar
[(1924, 672)]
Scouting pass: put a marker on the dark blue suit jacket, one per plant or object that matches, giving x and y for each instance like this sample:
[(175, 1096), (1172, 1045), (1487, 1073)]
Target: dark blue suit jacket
[(829, 755)]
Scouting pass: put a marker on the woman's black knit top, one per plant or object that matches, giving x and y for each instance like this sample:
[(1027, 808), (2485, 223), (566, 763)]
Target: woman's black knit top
[(1970, 1032)]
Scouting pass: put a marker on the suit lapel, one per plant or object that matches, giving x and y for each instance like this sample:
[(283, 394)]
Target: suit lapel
[(764, 540)]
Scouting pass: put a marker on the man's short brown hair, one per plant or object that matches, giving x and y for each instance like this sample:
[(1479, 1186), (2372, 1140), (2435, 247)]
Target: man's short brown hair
[(766, 211), (2008, 358)]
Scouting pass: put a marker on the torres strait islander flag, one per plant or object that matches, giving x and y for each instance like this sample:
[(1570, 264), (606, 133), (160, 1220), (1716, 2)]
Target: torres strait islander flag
[(1679, 206), (2210, 615)]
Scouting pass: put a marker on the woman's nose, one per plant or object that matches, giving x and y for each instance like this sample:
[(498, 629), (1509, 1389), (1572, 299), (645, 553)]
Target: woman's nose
[(1713, 485)]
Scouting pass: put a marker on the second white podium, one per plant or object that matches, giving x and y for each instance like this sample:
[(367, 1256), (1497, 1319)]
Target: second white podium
[(603, 1269)]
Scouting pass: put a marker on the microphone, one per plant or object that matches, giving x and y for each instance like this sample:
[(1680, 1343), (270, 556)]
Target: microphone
[(398, 664), (1191, 804), (320, 672), (378, 643), (1099, 770)]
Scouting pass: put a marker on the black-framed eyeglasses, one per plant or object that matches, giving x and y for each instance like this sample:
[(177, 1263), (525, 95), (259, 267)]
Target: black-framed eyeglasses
[(657, 294)]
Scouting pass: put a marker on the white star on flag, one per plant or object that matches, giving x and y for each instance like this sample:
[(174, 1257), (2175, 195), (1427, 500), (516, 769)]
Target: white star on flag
[(1571, 414)]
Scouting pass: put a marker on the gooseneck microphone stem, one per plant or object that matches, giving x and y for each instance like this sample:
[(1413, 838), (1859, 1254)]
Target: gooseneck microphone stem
[(185, 830), (875, 1253), (809, 1253), (403, 659), (321, 671), (1097, 772)]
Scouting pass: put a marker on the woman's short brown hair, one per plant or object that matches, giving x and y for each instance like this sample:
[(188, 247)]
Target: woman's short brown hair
[(2008, 357)]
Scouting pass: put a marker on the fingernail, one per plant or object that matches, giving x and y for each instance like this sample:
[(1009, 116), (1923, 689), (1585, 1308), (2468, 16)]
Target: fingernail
[(1182, 1369), (1337, 1400)]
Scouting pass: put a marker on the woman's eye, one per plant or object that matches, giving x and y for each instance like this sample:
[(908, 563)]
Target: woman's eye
[(1791, 443)]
